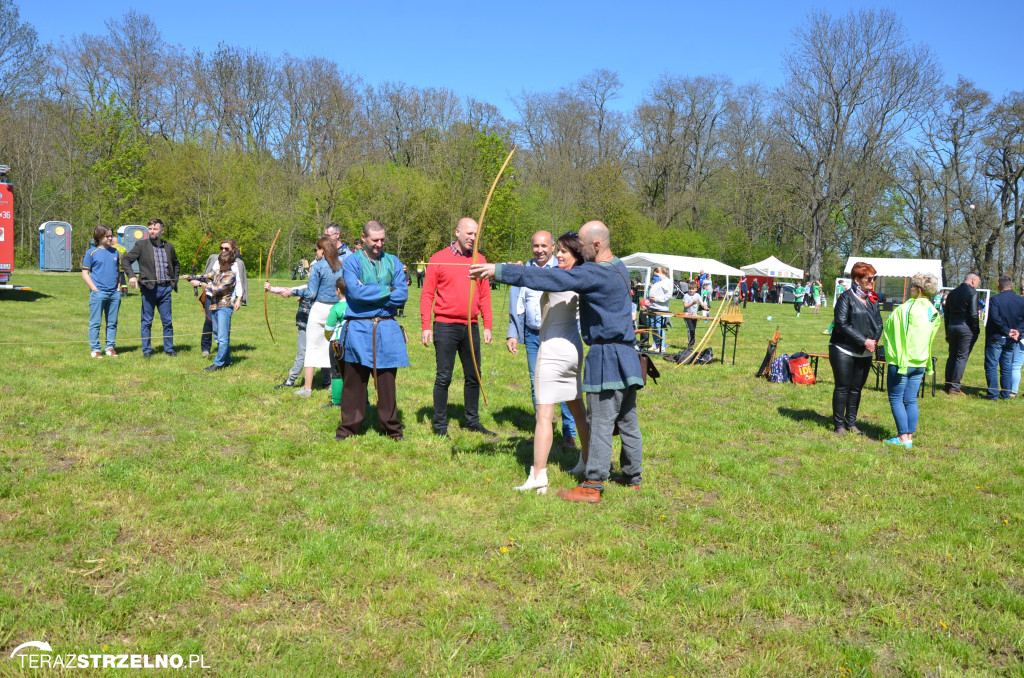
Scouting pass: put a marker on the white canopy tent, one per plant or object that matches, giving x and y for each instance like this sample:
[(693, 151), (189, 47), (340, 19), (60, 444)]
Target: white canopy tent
[(678, 264), (773, 268), (898, 268), (893, 268)]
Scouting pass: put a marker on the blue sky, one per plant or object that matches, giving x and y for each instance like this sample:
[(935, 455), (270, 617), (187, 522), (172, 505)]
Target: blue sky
[(492, 51)]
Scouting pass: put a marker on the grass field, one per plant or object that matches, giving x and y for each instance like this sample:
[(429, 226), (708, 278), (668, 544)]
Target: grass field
[(148, 507)]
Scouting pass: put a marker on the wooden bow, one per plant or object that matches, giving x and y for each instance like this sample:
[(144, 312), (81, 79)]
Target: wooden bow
[(473, 281), (266, 314)]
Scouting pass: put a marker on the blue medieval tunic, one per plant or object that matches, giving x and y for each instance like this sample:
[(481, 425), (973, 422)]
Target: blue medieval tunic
[(606, 317), (374, 289)]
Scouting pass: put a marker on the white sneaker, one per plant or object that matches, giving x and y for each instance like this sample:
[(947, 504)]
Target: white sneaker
[(538, 482), (304, 393), (579, 469)]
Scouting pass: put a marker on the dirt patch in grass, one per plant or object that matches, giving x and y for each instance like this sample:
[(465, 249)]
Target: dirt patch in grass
[(62, 464)]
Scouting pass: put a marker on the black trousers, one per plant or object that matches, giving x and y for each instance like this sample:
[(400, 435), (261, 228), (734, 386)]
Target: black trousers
[(961, 340), (691, 331), (850, 375), (451, 339)]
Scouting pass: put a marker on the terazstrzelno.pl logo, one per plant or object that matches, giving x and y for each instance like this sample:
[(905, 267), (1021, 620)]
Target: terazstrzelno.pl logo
[(27, 659)]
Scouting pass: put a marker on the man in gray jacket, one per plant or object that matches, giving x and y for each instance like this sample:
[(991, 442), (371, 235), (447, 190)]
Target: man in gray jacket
[(158, 276)]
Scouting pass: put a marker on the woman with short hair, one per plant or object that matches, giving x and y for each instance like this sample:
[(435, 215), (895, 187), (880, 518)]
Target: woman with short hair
[(858, 326), (908, 335)]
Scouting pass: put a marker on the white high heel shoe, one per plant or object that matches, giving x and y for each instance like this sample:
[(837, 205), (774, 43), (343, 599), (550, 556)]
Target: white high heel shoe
[(579, 469), (537, 482)]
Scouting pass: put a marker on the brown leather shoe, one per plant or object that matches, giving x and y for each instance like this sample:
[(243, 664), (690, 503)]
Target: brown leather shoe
[(569, 444), (585, 492), (955, 393)]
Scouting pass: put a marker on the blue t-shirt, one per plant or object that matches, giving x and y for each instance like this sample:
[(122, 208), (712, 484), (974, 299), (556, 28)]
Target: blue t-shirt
[(104, 265)]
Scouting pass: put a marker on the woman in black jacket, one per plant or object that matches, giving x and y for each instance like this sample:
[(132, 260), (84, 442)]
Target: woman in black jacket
[(858, 326)]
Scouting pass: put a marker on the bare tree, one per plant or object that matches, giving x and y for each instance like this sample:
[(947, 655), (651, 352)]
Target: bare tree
[(137, 57), (22, 58), (1005, 166), (853, 88), (680, 144)]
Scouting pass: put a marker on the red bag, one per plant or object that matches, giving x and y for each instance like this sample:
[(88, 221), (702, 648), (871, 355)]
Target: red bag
[(801, 370)]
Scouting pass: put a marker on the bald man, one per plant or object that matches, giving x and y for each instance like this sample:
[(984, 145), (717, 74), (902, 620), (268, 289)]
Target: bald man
[(446, 298), (962, 330), (612, 374), (524, 324)]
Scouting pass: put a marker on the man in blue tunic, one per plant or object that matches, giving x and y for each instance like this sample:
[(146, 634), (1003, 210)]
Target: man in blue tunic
[(612, 367), (373, 341)]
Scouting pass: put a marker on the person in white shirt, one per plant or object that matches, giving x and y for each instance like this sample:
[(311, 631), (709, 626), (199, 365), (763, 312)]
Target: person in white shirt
[(659, 294)]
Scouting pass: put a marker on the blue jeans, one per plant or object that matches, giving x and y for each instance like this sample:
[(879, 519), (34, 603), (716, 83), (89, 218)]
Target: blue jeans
[(222, 328), (1018, 362), (657, 325), (903, 390), (100, 303), (999, 353), (158, 298), (532, 348)]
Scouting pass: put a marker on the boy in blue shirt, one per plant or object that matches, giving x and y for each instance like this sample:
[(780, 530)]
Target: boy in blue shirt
[(100, 270)]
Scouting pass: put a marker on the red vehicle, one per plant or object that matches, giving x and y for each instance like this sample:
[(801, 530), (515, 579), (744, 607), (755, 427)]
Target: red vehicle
[(7, 230)]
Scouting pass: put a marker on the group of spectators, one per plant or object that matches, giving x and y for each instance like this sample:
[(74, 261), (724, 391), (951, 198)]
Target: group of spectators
[(907, 336), (223, 282)]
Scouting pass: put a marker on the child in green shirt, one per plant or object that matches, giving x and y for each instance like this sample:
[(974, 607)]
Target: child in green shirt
[(334, 330)]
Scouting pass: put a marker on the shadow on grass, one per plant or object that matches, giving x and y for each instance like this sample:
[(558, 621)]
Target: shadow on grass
[(872, 431), (22, 295)]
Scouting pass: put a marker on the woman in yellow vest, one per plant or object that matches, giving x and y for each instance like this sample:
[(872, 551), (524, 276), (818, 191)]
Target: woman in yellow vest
[(908, 335)]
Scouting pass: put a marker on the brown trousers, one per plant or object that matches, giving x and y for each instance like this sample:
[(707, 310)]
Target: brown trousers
[(355, 378)]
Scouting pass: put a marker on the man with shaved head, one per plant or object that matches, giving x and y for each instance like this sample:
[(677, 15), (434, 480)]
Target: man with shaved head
[(446, 298), (612, 368), (962, 330), (524, 318)]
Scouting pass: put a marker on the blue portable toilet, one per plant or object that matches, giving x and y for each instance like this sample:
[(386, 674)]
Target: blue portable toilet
[(130, 234), (55, 246)]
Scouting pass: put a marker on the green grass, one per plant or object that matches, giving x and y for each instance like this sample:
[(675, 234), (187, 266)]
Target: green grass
[(149, 507)]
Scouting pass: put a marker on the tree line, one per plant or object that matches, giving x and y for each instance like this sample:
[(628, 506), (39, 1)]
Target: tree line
[(861, 151)]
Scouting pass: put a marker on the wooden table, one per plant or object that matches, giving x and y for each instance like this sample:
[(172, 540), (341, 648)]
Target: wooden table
[(726, 325), (878, 367)]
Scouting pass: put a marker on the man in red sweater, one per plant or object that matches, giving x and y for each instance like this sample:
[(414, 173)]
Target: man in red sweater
[(446, 292)]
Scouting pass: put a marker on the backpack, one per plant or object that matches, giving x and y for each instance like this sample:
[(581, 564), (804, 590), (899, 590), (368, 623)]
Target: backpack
[(800, 369), (779, 371)]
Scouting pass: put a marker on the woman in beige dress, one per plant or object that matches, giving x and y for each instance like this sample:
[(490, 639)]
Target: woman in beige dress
[(558, 377)]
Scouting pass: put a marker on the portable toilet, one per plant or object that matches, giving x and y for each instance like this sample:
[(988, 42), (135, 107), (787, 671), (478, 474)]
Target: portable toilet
[(128, 235), (55, 246)]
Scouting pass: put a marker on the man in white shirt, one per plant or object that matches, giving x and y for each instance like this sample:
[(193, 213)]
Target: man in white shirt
[(524, 324)]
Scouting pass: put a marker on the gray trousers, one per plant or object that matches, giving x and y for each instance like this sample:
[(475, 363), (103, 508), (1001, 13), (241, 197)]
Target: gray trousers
[(604, 410), (300, 356)]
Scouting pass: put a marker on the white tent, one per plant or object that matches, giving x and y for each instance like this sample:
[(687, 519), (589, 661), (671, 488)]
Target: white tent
[(898, 268), (894, 268), (773, 268), (678, 264)]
